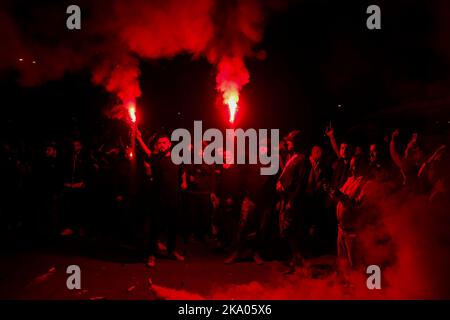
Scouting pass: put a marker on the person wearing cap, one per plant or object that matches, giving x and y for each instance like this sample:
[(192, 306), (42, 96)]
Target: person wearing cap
[(341, 167), (291, 188)]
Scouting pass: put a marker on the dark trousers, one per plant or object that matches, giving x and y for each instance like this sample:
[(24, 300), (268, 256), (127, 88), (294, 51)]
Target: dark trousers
[(293, 227), (200, 212), (73, 208), (227, 219), (164, 218)]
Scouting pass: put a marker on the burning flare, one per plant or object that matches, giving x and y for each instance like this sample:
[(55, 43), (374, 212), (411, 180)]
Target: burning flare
[(232, 75), (231, 99), (132, 111)]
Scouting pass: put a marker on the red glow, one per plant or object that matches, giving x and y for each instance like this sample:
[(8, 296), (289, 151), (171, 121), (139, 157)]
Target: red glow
[(131, 154), (132, 111), (231, 77), (231, 99)]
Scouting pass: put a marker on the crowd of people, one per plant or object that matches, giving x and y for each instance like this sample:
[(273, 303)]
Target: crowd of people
[(318, 203)]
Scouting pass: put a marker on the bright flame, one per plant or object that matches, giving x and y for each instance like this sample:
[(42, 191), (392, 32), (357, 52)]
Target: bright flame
[(231, 99), (232, 106), (132, 112)]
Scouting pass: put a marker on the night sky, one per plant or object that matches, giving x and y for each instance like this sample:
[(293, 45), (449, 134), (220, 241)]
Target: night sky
[(322, 64)]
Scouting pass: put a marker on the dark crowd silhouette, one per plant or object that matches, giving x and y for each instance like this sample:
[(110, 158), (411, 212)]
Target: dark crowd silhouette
[(318, 204)]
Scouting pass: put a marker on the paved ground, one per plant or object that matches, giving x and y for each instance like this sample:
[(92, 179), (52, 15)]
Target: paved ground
[(119, 273)]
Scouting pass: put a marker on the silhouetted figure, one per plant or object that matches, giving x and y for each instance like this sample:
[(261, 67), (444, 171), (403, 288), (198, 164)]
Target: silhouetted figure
[(74, 213), (291, 188), (169, 179), (48, 180)]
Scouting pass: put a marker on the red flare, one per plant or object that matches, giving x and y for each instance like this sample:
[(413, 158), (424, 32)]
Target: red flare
[(231, 99), (232, 75), (232, 102), (132, 111)]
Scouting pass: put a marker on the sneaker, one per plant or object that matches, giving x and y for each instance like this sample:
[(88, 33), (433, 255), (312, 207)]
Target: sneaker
[(66, 232), (257, 258), (232, 258), (162, 247), (151, 261), (176, 256), (289, 270)]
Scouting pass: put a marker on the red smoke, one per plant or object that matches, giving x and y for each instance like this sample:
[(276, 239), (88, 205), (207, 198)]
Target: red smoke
[(115, 34), (239, 28), (407, 236), (149, 29), (119, 76), (232, 75), (164, 28)]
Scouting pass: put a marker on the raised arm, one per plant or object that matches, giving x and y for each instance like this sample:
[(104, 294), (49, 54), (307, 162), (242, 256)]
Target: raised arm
[(330, 133), (411, 145), (435, 156), (142, 143), (395, 155)]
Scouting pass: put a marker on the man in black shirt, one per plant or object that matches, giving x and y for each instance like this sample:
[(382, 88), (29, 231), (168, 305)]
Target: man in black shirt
[(49, 182), (341, 167), (168, 185), (75, 174)]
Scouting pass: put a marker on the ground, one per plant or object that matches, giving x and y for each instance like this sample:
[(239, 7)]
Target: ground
[(120, 273)]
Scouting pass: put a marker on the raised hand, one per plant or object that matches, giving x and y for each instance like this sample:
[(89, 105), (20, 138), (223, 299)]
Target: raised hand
[(395, 134), (329, 132)]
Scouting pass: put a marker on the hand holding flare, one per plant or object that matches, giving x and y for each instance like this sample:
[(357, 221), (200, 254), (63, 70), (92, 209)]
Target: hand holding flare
[(132, 113)]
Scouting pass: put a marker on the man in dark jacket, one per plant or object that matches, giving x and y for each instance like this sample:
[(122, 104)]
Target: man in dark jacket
[(291, 188)]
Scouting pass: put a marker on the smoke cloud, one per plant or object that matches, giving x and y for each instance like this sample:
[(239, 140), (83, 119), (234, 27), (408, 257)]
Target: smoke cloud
[(116, 35), (406, 235)]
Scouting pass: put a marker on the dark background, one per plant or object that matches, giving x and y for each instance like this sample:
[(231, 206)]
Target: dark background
[(322, 65)]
